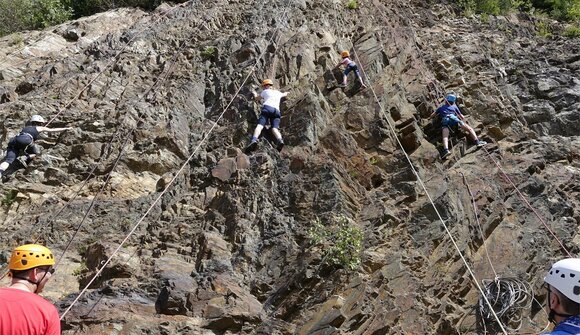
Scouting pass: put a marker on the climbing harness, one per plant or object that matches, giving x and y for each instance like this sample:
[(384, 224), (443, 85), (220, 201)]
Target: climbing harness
[(419, 179), (168, 185)]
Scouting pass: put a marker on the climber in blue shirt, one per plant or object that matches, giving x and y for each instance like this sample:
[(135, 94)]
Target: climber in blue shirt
[(563, 299), (451, 116)]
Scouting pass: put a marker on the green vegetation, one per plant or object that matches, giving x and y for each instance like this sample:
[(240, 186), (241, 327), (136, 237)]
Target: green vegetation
[(572, 31), (543, 29), (9, 197), (17, 40), (80, 270), (567, 10), (31, 14), (18, 15), (209, 52), (340, 240), (352, 4)]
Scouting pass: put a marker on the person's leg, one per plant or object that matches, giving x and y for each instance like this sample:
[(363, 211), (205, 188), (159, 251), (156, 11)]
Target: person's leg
[(275, 130), (445, 134), (9, 159), (362, 83), (472, 134), (257, 132), (345, 75)]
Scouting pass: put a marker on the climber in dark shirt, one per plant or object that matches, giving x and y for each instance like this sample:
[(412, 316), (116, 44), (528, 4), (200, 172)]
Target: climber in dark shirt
[(23, 143)]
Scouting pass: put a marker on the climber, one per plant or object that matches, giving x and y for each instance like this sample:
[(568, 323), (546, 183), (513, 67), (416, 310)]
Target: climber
[(270, 112), (22, 310), (23, 143), (563, 300), (451, 116), (350, 66)]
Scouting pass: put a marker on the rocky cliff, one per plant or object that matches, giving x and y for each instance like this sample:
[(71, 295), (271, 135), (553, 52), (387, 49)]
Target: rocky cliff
[(215, 241)]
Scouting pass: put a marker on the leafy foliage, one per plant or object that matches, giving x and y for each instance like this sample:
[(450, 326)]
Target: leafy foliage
[(559, 9), (352, 4), (572, 31), (31, 14), (18, 15), (9, 197), (341, 241)]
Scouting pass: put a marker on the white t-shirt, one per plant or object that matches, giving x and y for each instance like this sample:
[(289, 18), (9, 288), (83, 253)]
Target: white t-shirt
[(272, 97)]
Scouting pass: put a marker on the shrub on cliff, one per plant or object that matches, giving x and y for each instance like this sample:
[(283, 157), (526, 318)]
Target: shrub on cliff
[(89, 7), (340, 239), (31, 14), (568, 10)]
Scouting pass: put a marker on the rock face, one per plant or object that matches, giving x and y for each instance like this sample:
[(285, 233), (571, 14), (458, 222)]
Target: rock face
[(225, 246)]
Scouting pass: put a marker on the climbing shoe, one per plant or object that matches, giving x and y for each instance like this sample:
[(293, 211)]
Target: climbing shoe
[(480, 143), (22, 160), (252, 146), (445, 153), (280, 145)]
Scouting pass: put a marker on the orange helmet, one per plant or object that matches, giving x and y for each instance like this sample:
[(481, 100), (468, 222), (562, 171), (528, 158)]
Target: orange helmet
[(345, 53), (29, 256), (266, 82)]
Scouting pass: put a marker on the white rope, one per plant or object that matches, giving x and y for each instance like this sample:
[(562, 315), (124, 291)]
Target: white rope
[(429, 196), (168, 184)]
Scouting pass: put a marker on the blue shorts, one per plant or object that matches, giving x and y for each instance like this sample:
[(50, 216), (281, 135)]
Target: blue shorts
[(451, 120), (271, 114), (352, 68)]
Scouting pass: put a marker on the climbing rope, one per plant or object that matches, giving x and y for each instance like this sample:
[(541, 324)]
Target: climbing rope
[(170, 183), (509, 180), (475, 280), (90, 175), (128, 136), (113, 61), (475, 213), (141, 22), (508, 298)]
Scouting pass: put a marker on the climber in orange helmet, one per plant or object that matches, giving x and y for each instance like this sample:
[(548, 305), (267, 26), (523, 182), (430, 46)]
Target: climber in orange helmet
[(22, 310), (270, 113), (350, 66)]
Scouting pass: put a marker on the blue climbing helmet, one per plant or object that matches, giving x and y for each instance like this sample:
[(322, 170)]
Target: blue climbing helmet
[(451, 98)]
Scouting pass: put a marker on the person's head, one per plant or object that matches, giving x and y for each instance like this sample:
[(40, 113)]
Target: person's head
[(36, 120), (32, 263), (267, 83), (345, 54), (451, 98), (563, 284)]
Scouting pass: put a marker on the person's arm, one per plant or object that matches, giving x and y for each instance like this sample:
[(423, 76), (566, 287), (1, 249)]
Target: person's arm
[(256, 96), (340, 63), (51, 130), (458, 112), (284, 94)]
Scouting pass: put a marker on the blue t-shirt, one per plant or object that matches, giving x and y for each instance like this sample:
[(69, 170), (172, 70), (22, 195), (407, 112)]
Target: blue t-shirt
[(448, 110), (570, 326)]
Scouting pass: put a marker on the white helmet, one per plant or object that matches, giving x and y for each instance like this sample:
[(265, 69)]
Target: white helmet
[(565, 277), (37, 118)]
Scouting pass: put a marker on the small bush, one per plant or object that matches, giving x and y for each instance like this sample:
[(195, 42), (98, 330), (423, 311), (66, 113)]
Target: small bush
[(209, 52), (17, 39), (572, 31), (543, 29), (9, 197), (31, 14), (352, 4), (341, 241)]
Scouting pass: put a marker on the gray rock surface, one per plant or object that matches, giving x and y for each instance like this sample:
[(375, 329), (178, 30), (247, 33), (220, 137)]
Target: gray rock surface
[(226, 250)]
